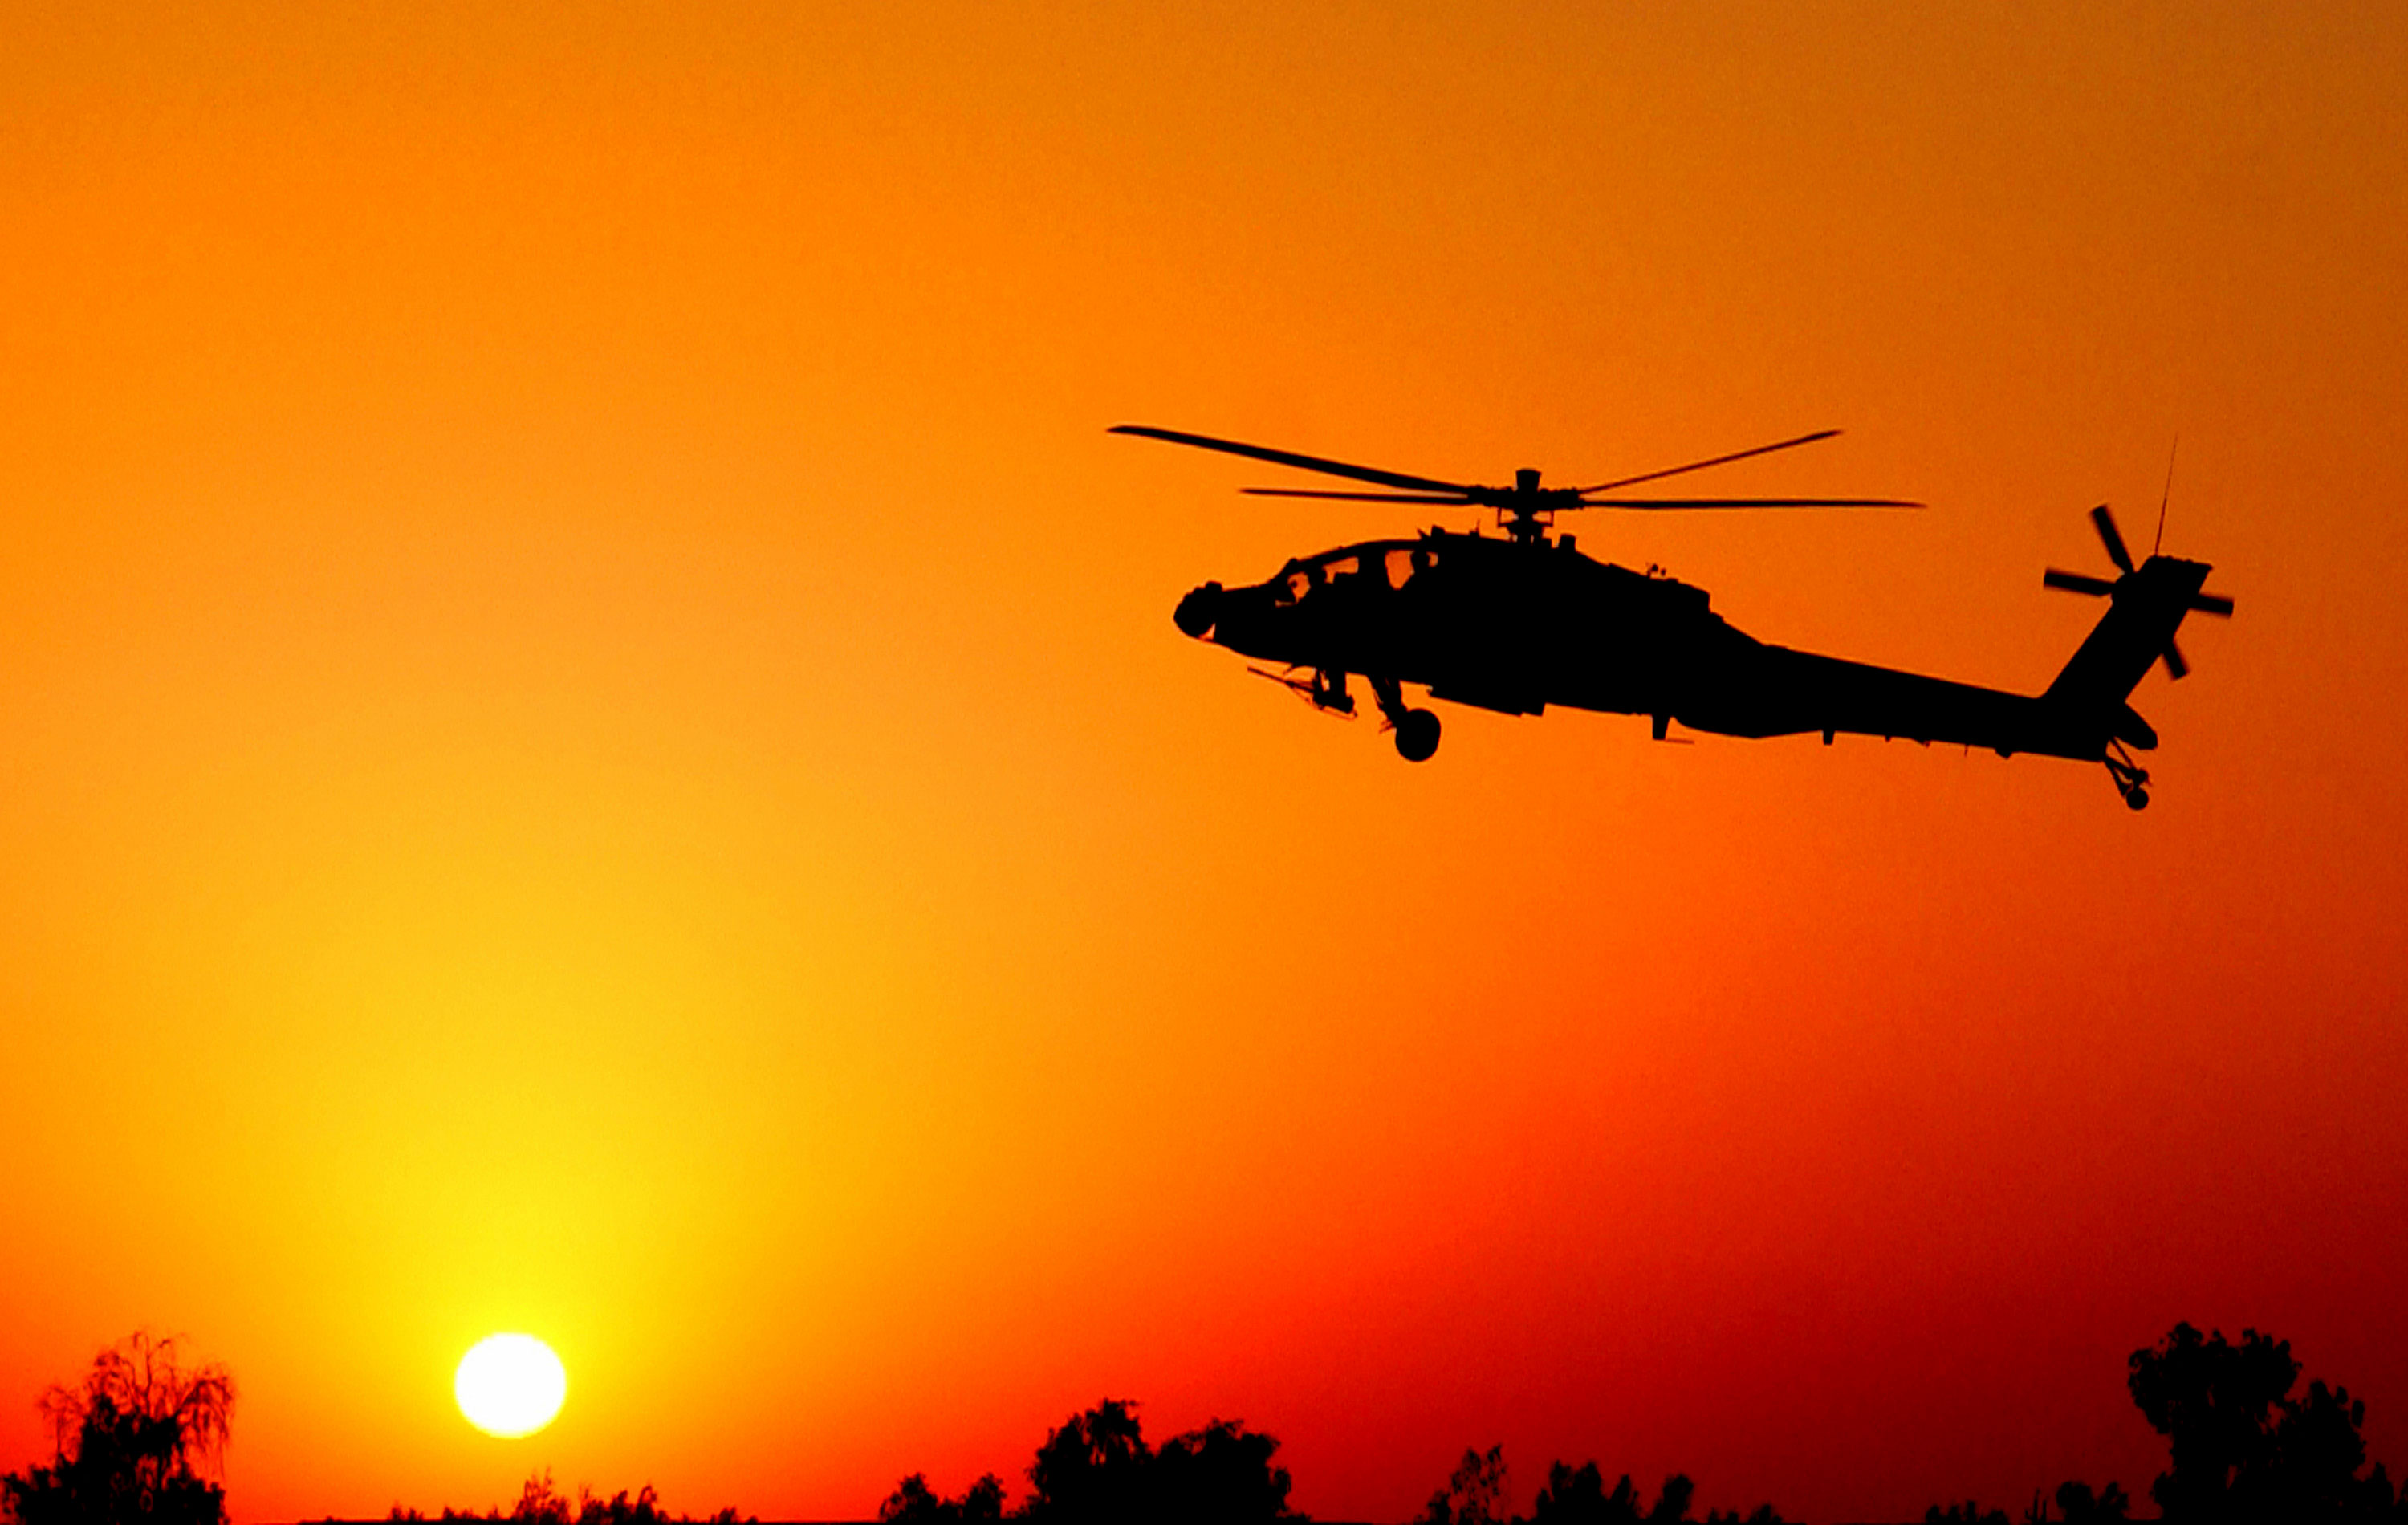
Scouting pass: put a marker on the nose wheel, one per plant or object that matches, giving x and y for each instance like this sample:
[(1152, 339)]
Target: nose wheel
[(1416, 729)]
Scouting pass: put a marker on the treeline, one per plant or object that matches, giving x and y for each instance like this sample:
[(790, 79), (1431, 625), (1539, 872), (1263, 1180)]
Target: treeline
[(541, 1502), (140, 1441), (2246, 1445), (1096, 1469), (1475, 1495)]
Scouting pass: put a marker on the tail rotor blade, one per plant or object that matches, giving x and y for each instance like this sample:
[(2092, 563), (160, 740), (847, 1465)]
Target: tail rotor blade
[(2105, 523), (2212, 603), (2176, 667), (2097, 587)]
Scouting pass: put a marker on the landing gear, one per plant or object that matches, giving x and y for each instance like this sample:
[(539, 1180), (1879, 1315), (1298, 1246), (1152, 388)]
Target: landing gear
[(2131, 778), (1328, 691), (1416, 729), (1417, 736)]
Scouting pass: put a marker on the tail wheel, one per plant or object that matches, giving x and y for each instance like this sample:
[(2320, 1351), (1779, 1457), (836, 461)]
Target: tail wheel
[(2131, 778), (1416, 735)]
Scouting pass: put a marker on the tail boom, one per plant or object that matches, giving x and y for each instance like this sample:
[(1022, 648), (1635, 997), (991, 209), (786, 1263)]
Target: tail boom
[(2081, 716)]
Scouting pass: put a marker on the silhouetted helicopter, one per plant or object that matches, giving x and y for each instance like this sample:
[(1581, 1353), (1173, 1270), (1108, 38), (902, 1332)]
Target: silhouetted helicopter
[(1517, 623)]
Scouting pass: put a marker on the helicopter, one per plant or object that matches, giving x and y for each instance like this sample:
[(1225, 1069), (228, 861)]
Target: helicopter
[(1522, 619)]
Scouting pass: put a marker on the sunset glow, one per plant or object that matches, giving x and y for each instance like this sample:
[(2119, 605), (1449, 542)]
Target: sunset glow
[(591, 739)]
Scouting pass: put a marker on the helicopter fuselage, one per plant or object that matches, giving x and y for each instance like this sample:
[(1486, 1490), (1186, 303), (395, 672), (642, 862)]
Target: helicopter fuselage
[(1516, 624)]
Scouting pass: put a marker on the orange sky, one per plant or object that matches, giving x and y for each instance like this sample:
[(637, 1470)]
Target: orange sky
[(591, 739)]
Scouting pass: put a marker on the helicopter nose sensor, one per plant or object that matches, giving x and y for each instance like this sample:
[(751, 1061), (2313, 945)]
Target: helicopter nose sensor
[(1198, 612)]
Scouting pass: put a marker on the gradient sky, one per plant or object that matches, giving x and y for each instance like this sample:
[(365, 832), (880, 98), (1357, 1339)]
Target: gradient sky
[(591, 739)]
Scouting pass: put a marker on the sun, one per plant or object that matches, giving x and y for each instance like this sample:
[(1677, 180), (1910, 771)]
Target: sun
[(509, 1385)]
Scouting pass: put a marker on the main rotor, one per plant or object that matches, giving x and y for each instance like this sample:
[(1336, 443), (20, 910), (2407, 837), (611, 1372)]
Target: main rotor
[(1526, 509)]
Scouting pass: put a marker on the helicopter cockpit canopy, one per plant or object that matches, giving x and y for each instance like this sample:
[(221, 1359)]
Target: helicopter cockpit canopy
[(1382, 568)]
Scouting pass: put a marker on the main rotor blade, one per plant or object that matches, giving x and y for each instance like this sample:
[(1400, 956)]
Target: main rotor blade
[(2097, 587), (1285, 457), (1701, 466), (2212, 603), (2105, 523), (1740, 503), (2176, 668), (1454, 500)]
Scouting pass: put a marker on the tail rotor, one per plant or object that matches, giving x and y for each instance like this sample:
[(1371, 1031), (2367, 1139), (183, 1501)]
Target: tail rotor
[(2102, 519)]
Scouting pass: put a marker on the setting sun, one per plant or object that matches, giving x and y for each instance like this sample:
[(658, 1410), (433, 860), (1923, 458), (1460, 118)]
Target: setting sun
[(509, 1385)]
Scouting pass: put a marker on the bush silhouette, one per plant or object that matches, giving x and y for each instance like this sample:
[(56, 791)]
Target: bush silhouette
[(137, 1442), (541, 1502), (913, 1503), (2077, 1505), (1474, 1495), (1578, 1497)]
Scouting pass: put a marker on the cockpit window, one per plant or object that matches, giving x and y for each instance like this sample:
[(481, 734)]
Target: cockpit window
[(1404, 561), (1375, 570)]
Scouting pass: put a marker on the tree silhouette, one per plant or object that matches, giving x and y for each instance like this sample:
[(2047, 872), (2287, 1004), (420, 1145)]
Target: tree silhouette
[(2317, 1452), (138, 1441), (1094, 1469), (2241, 1446), (1579, 1498), (1474, 1495), (1672, 1499), (2214, 1403), (1220, 1475)]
